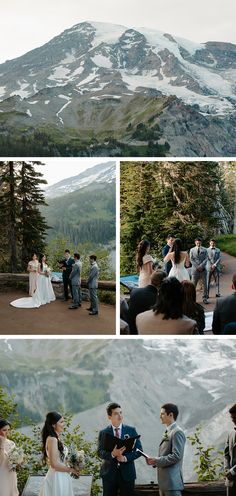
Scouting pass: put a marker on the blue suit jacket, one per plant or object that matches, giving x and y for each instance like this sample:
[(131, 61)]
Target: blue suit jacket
[(110, 465)]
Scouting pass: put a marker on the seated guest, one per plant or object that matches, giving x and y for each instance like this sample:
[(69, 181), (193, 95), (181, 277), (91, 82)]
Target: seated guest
[(166, 317), (191, 308), (142, 299), (225, 310)]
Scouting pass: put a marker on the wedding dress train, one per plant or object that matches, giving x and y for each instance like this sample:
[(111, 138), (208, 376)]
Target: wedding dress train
[(44, 293)]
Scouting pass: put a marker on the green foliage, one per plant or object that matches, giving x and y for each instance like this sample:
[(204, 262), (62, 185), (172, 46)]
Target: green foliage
[(157, 198), (49, 143), (22, 226), (33, 449), (227, 243), (87, 215), (55, 251), (209, 462)]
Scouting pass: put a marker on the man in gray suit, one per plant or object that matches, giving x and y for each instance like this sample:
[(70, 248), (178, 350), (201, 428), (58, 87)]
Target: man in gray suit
[(93, 285), (213, 266), (171, 452), (230, 457), (198, 259), (75, 278)]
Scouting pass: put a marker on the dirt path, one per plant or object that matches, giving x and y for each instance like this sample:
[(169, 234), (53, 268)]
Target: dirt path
[(54, 318), (229, 269)]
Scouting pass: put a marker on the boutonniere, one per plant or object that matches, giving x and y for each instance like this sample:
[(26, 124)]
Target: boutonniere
[(166, 437)]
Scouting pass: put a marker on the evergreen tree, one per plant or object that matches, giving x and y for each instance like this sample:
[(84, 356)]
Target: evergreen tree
[(22, 226), (8, 215), (33, 227)]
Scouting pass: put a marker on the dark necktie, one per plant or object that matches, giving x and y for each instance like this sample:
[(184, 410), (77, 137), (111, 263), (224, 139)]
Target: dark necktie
[(117, 431)]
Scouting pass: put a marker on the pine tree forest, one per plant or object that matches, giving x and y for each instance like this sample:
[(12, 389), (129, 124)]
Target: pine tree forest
[(22, 227), (187, 199)]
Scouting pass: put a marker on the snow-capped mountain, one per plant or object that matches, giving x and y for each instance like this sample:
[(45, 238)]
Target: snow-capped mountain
[(101, 173), (89, 83), (197, 375)]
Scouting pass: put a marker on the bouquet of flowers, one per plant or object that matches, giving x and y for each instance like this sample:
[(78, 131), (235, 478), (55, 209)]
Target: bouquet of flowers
[(76, 459), (15, 457)]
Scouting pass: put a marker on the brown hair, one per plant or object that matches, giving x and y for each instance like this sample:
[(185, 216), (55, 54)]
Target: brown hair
[(142, 248)]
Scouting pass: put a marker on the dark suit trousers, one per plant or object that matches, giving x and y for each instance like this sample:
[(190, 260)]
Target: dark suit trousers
[(231, 491), (111, 487), (66, 282)]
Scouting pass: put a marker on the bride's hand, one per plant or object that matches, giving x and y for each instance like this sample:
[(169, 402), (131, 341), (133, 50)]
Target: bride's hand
[(75, 472)]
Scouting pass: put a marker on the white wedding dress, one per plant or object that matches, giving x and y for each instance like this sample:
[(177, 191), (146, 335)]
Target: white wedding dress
[(57, 483), (179, 271), (44, 293)]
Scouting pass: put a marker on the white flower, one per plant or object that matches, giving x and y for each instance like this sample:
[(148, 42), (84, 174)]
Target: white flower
[(16, 457)]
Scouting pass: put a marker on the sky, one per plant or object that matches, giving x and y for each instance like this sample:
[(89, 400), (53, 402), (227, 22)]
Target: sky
[(25, 25), (56, 169)]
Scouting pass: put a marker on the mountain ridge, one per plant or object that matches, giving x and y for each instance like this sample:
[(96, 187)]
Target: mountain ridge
[(82, 90)]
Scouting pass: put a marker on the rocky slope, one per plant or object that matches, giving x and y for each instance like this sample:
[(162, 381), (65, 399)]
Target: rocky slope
[(103, 89), (199, 375)]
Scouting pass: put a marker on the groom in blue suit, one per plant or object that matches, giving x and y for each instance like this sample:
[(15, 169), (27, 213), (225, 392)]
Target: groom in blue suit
[(117, 470)]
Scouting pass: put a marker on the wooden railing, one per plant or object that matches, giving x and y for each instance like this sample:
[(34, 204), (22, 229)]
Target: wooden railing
[(190, 489), (12, 280)]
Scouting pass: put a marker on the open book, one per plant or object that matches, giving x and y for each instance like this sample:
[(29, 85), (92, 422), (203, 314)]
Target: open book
[(109, 442)]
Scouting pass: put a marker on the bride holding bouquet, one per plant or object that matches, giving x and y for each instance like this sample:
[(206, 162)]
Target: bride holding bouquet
[(44, 292), (58, 479)]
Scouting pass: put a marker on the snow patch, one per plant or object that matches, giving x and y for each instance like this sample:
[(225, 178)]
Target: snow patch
[(28, 113), (46, 102), (21, 91), (59, 72), (69, 58), (102, 61), (104, 33)]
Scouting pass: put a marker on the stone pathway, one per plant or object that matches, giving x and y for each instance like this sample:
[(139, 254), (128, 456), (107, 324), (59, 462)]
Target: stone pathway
[(229, 269)]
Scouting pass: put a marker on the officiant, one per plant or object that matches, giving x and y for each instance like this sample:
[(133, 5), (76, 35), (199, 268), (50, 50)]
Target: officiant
[(66, 265), (118, 470)]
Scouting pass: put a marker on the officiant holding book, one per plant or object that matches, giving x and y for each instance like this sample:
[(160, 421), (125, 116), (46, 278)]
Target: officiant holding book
[(117, 445)]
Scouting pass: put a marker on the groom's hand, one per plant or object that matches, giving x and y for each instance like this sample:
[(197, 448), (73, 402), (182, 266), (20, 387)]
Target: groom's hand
[(118, 452), (151, 461)]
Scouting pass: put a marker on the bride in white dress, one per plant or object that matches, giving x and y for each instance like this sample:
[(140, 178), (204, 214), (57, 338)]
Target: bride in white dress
[(44, 292), (58, 481), (179, 259)]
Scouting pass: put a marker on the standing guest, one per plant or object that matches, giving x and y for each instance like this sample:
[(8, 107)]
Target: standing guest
[(33, 274), (165, 250), (8, 480), (67, 264), (225, 310), (144, 263), (213, 267), (191, 308), (230, 456), (198, 259), (171, 452), (75, 279), (167, 316), (142, 299), (93, 285), (117, 470)]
